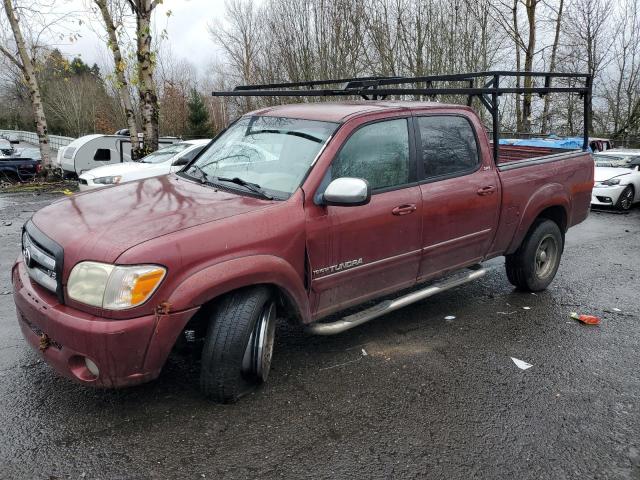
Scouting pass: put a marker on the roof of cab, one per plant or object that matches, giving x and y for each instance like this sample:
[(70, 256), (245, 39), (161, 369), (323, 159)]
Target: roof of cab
[(341, 111)]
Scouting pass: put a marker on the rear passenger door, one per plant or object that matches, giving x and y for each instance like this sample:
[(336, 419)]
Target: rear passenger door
[(460, 193), (357, 253)]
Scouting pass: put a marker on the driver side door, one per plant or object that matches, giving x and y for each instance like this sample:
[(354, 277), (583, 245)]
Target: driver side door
[(357, 253)]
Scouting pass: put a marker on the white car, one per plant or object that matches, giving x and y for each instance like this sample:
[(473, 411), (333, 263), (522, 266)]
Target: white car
[(162, 162), (617, 178), (6, 149)]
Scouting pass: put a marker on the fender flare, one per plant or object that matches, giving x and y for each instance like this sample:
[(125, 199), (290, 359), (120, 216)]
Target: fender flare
[(551, 195), (215, 280)]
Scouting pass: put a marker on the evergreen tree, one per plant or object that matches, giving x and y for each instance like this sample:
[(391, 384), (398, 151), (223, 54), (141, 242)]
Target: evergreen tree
[(198, 116)]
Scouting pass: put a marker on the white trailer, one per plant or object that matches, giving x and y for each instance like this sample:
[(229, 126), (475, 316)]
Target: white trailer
[(92, 151)]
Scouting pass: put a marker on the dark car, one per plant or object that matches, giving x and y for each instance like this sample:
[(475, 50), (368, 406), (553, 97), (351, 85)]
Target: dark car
[(21, 164)]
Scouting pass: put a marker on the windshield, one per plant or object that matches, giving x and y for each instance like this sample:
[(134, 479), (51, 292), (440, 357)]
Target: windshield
[(616, 160), (165, 153), (273, 153)]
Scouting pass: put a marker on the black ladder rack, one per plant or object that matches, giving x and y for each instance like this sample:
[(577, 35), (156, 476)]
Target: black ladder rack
[(379, 88)]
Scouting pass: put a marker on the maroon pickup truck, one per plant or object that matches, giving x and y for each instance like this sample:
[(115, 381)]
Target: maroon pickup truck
[(301, 212)]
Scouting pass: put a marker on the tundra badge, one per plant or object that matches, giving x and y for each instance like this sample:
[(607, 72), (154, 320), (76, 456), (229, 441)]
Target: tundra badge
[(337, 268)]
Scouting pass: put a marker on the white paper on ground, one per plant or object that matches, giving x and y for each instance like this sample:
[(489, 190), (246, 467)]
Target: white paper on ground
[(450, 317), (521, 364)]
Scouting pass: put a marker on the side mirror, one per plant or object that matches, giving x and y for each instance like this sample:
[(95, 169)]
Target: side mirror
[(347, 192), (180, 162)]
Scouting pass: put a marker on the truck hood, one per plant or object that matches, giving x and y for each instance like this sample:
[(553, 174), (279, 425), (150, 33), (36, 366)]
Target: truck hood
[(605, 173), (100, 225), (117, 169)]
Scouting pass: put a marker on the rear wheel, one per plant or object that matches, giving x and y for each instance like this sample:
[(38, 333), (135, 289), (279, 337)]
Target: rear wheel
[(534, 265), (239, 344), (625, 200)]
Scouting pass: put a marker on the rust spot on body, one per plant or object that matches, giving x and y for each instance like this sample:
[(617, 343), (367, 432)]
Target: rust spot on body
[(45, 342), (163, 309)]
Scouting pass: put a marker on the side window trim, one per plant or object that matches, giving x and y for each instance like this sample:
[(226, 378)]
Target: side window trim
[(422, 178), (413, 152)]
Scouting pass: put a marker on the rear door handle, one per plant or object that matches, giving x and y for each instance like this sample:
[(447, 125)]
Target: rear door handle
[(404, 209), (488, 190)]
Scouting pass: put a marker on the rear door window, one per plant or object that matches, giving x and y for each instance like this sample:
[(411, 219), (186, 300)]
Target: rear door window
[(447, 145), (378, 153)]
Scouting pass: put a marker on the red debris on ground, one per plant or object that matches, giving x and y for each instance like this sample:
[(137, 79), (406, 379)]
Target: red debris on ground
[(586, 319)]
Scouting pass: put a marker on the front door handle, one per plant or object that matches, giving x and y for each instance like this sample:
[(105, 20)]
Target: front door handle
[(404, 209), (488, 190)]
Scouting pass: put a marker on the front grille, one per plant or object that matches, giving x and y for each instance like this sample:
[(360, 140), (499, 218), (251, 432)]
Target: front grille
[(43, 259)]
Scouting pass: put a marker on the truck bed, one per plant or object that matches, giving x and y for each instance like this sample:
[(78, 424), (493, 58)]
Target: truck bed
[(514, 153), (562, 179)]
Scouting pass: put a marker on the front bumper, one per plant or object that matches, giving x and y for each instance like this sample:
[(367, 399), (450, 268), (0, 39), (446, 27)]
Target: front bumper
[(606, 195), (127, 352)]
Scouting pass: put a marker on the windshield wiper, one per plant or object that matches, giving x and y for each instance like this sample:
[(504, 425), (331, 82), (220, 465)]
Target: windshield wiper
[(254, 187)]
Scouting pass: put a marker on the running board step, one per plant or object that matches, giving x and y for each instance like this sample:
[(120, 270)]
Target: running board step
[(382, 308)]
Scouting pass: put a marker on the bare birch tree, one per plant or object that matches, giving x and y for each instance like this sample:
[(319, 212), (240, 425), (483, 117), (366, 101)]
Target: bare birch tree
[(26, 64), (121, 81), (143, 9)]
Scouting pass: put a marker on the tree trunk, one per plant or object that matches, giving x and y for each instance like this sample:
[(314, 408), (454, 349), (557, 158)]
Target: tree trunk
[(146, 67), (123, 86), (528, 64), (28, 71), (516, 38), (552, 67)]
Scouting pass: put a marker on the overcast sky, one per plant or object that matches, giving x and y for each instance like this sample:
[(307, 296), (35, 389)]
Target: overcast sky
[(187, 28)]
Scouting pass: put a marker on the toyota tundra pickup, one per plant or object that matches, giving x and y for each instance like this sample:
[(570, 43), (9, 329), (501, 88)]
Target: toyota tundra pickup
[(324, 214)]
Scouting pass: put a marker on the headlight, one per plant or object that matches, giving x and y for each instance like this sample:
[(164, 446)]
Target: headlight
[(611, 182), (113, 287), (108, 180)]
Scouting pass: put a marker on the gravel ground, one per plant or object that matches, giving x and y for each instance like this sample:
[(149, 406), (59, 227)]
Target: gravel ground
[(410, 395)]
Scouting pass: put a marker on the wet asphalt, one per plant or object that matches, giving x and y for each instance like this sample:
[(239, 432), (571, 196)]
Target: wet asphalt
[(409, 395)]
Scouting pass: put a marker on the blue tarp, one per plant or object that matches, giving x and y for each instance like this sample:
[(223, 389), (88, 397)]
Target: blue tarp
[(569, 143)]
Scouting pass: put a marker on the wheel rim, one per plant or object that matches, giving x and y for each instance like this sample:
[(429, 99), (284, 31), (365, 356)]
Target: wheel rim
[(546, 256), (257, 356), (625, 201)]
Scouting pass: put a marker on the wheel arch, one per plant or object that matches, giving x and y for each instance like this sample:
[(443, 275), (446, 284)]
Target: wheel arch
[(551, 202), (207, 285)]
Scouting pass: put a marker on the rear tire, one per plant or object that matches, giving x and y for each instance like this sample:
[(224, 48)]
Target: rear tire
[(534, 265), (238, 347), (625, 200)]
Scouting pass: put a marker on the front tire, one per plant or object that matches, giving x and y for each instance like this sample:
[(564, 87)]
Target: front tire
[(534, 265), (625, 200), (238, 348)]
